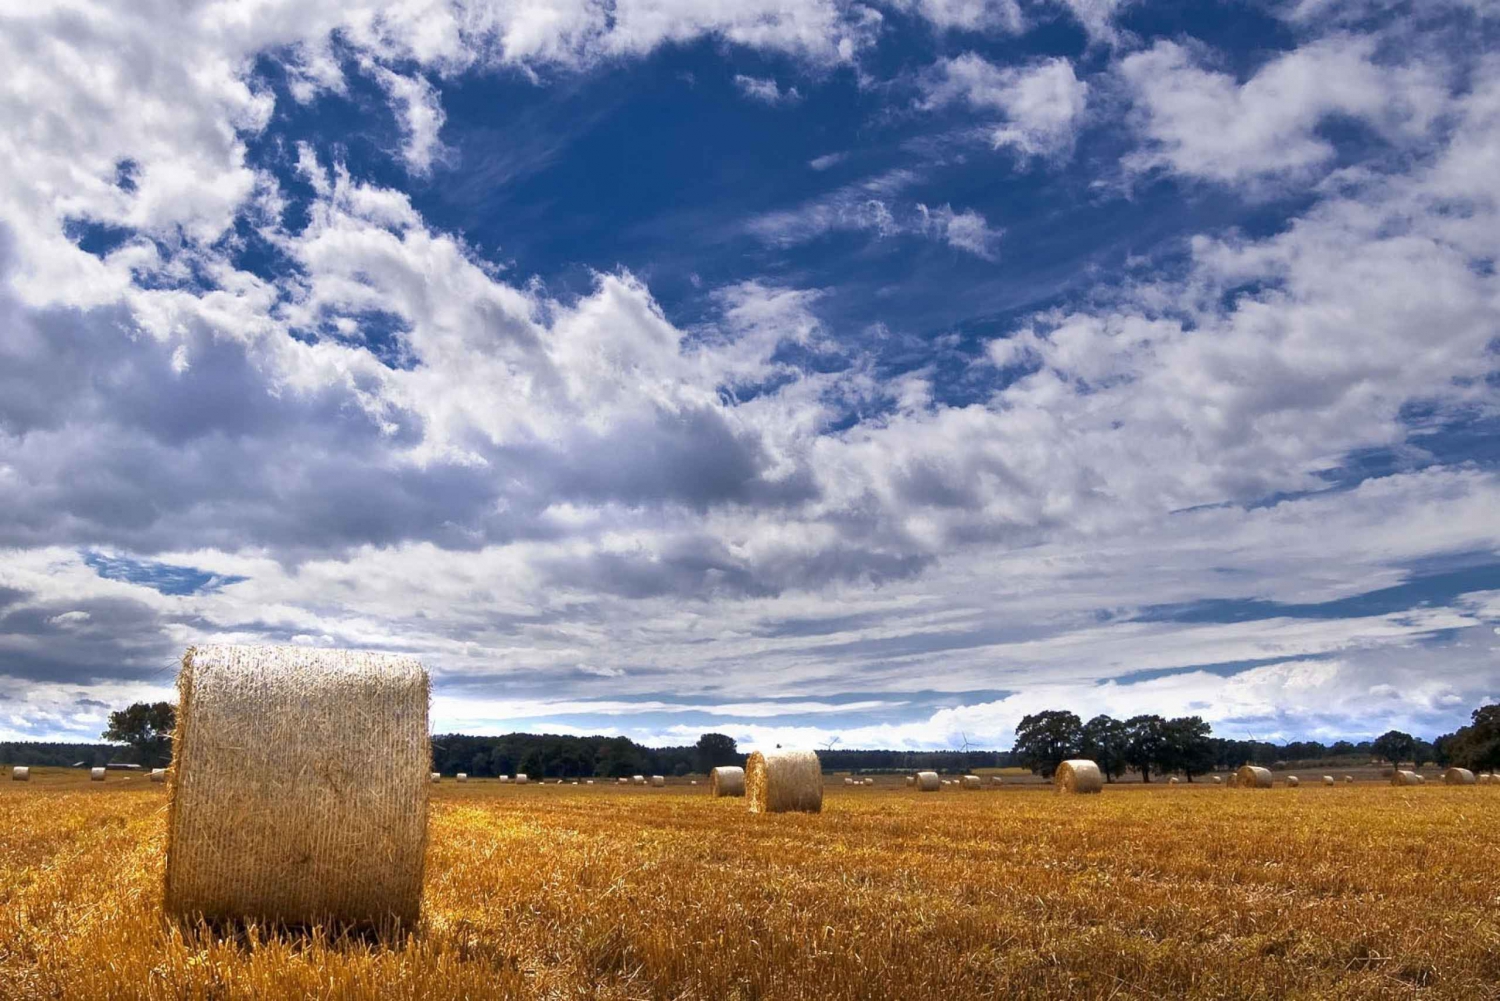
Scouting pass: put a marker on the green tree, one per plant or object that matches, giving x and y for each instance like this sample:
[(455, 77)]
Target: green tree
[(147, 728), (1394, 746), (1103, 740), (713, 750), (1187, 746), (1146, 741), (1045, 740)]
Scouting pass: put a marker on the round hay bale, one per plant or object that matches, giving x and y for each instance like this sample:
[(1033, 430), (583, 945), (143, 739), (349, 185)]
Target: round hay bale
[(1293, 781), (1328, 780), (658, 781), (1253, 777), (299, 781), (158, 775), (782, 781), (20, 773), (1348, 780), (994, 780), (972, 782), (1217, 780), (1172, 781), (623, 780), (1402, 777), (639, 780), (692, 782), (461, 777), (869, 782), (1421, 779), (1078, 776), (927, 782), (522, 778), (848, 781), (727, 780), (1458, 777), (437, 777), (96, 775), (911, 780), (947, 782)]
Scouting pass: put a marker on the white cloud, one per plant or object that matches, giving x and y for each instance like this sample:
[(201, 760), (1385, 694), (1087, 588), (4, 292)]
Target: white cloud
[(1041, 103), (1097, 18), (827, 160), (420, 113), (766, 90), (966, 230), (967, 15)]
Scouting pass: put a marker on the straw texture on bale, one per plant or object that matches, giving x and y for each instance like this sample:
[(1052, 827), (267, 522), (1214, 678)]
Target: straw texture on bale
[(1293, 781), (1458, 777), (96, 775), (928, 782), (782, 781), (20, 773), (1079, 776), (158, 775), (299, 785), (1253, 777), (1328, 780), (726, 780), (658, 780), (973, 782), (1401, 777)]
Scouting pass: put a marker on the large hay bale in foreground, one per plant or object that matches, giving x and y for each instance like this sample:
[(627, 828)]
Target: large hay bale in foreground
[(1078, 776), (972, 782), (928, 782), (1458, 777), (1402, 777), (726, 780), (96, 775), (1253, 777), (20, 773), (158, 775), (783, 781), (299, 782)]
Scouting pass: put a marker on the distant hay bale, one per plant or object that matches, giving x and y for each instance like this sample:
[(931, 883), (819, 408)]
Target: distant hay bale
[(1217, 780), (1421, 779), (461, 777), (437, 777), (994, 780), (1328, 780), (911, 780), (20, 773), (639, 780), (727, 780), (869, 782), (1402, 777), (1253, 777), (658, 780), (784, 781), (96, 775), (158, 775), (848, 781), (1078, 776), (623, 780), (947, 782), (589, 782), (1172, 781), (300, 779), (1484, 779), (1458, 777), (692, 782), (927, 782), (1348, 779), (522, 778), (972, 782), (502, 778), (1293, 781)]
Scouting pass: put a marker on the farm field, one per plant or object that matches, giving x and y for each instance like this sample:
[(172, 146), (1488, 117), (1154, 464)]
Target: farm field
[(600, 891)]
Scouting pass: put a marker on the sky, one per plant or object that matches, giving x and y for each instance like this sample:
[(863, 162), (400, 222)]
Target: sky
[(815, 372)]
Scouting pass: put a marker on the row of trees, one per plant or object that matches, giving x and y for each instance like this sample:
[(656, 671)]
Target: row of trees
[(1148, 744), (556, 756)]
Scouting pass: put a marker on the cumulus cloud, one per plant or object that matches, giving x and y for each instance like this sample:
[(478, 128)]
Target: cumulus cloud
[(1040, 103), (967, 15), (766, 90)]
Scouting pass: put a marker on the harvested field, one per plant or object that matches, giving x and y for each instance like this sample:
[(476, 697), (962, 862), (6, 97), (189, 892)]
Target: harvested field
[(617, 892)]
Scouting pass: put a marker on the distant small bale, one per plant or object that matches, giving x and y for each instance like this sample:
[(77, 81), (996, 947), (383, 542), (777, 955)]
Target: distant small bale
[(522, 778), (437, 777), (502, 778), (994, 780), (848, 781), (639, 780), (158, 775), (1253, 777), (869, 782), (692, 782), (972, 782), (300, 781), (623, 780), (1217, 780), (1328, 780), (726, 780), (589, 782), (911, 780), (461, 777), (1293, 781), (658, 780), (1348, 779), (927, 781), (1172, 781), (96, 774), (1458, 777), (947, 782), (784, 781), (1402, 777), (1421, 779), (20, 773), (1078, 775)]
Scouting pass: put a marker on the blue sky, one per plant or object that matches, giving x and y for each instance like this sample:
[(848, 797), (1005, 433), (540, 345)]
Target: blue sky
[(800, 369)]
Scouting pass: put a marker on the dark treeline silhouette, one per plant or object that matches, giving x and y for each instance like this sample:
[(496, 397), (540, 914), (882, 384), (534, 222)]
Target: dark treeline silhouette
[(43, 753), (849, 760), (559, 756)]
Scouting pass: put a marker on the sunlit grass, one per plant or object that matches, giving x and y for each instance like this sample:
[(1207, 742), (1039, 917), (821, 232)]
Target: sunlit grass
[(1182, 892)]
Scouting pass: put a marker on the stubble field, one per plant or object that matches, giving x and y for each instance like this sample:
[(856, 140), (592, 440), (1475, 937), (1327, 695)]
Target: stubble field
[(604, 892)]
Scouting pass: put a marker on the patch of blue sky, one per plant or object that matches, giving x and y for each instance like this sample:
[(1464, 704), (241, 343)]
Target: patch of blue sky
[(164, 577)]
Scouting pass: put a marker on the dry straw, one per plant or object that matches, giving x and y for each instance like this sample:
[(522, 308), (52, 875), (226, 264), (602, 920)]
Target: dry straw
[(726, 780), (158, 775), (96, 775), (299, 786), (973, 782), (1401, 777), (1078, 776), (928, 782), (1253, 777), (782, 781), (20, 773), (1458, 777)]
